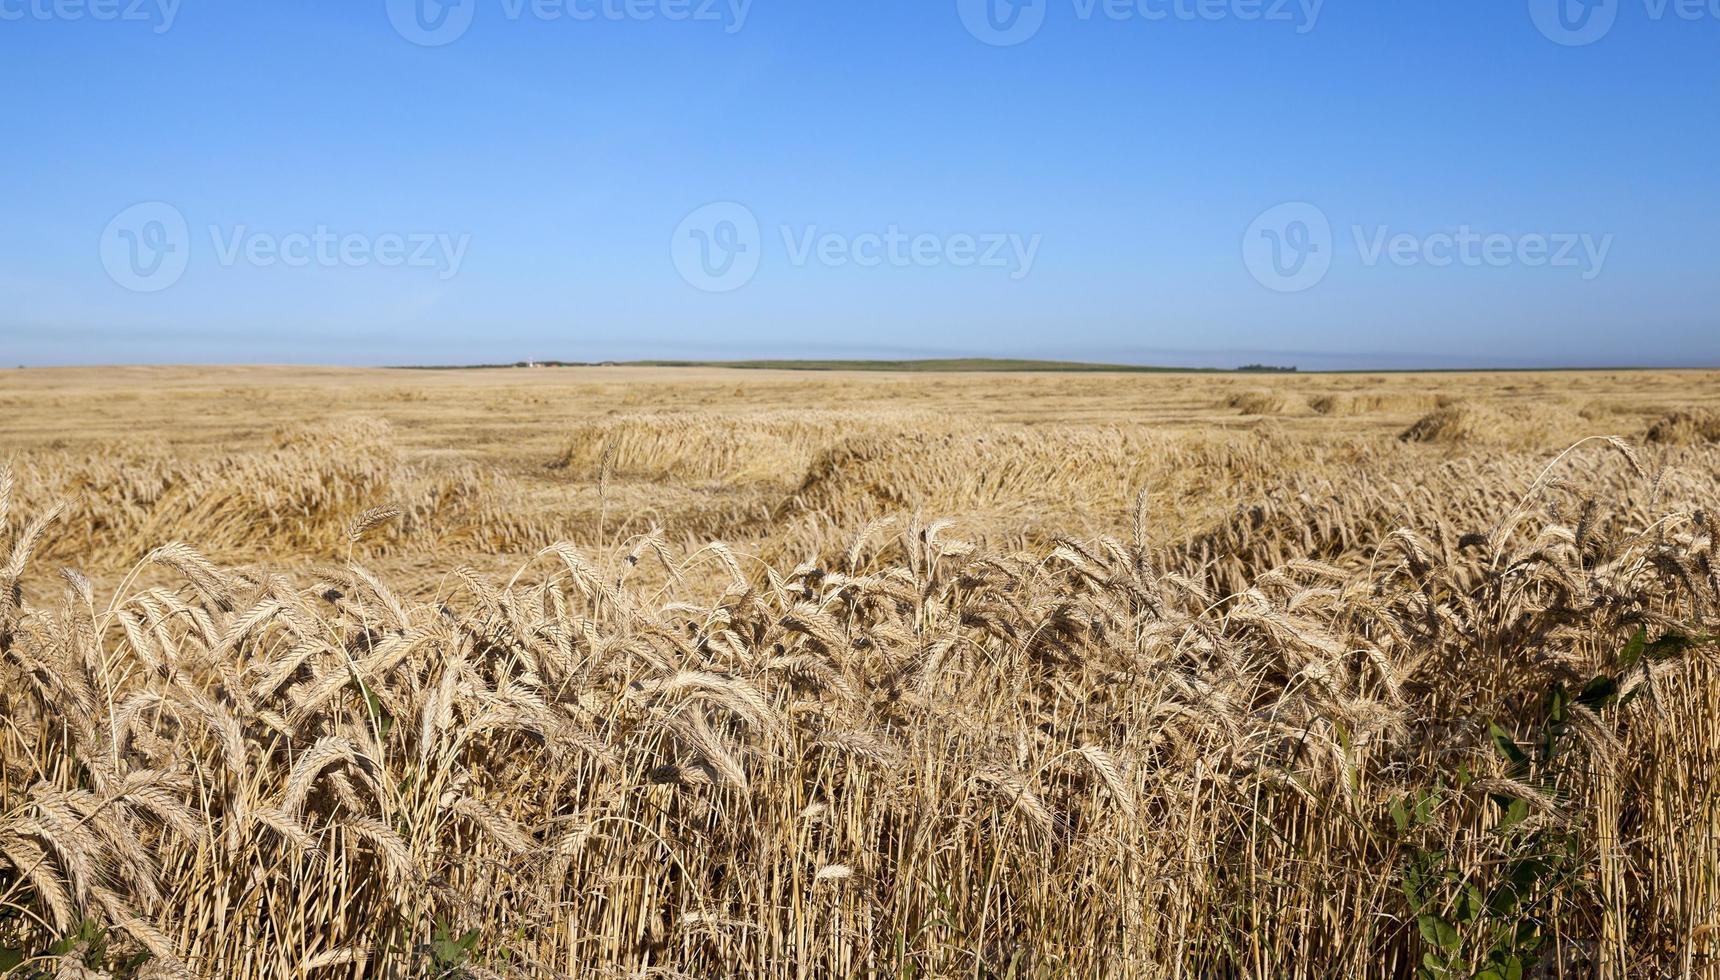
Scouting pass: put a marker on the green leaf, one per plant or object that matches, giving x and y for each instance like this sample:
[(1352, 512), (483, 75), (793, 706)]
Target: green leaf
[(1558, 712), (1633, 650), (90, 933), (384, 720), (1439, 933), (1413, 880), (1424, 807), (1525, 873), (1506, 745), (1528, 936), (449, 953), (1400, 816), (1599, 693), (1669, 646), (1557, 703), (10, 959), (1469, 904), (1513, 811), (1502, 967)]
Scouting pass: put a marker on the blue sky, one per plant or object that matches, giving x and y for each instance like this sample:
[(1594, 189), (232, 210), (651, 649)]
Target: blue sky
[(1112, 187)]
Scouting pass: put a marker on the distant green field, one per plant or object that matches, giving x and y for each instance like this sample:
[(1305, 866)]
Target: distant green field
[(978, 364), (1005, 365), (945, 365)]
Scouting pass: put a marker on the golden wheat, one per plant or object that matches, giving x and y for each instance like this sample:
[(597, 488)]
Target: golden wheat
[(1227, 703)]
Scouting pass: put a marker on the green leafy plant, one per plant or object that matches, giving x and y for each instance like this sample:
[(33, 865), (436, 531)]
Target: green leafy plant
[(1491, 923), (449, 955)]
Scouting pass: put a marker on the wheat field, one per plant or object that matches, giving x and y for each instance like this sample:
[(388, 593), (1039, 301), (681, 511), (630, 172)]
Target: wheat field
[(631, 672)]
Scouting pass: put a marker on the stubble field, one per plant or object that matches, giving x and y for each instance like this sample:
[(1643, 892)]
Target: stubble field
[(698, 672)]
